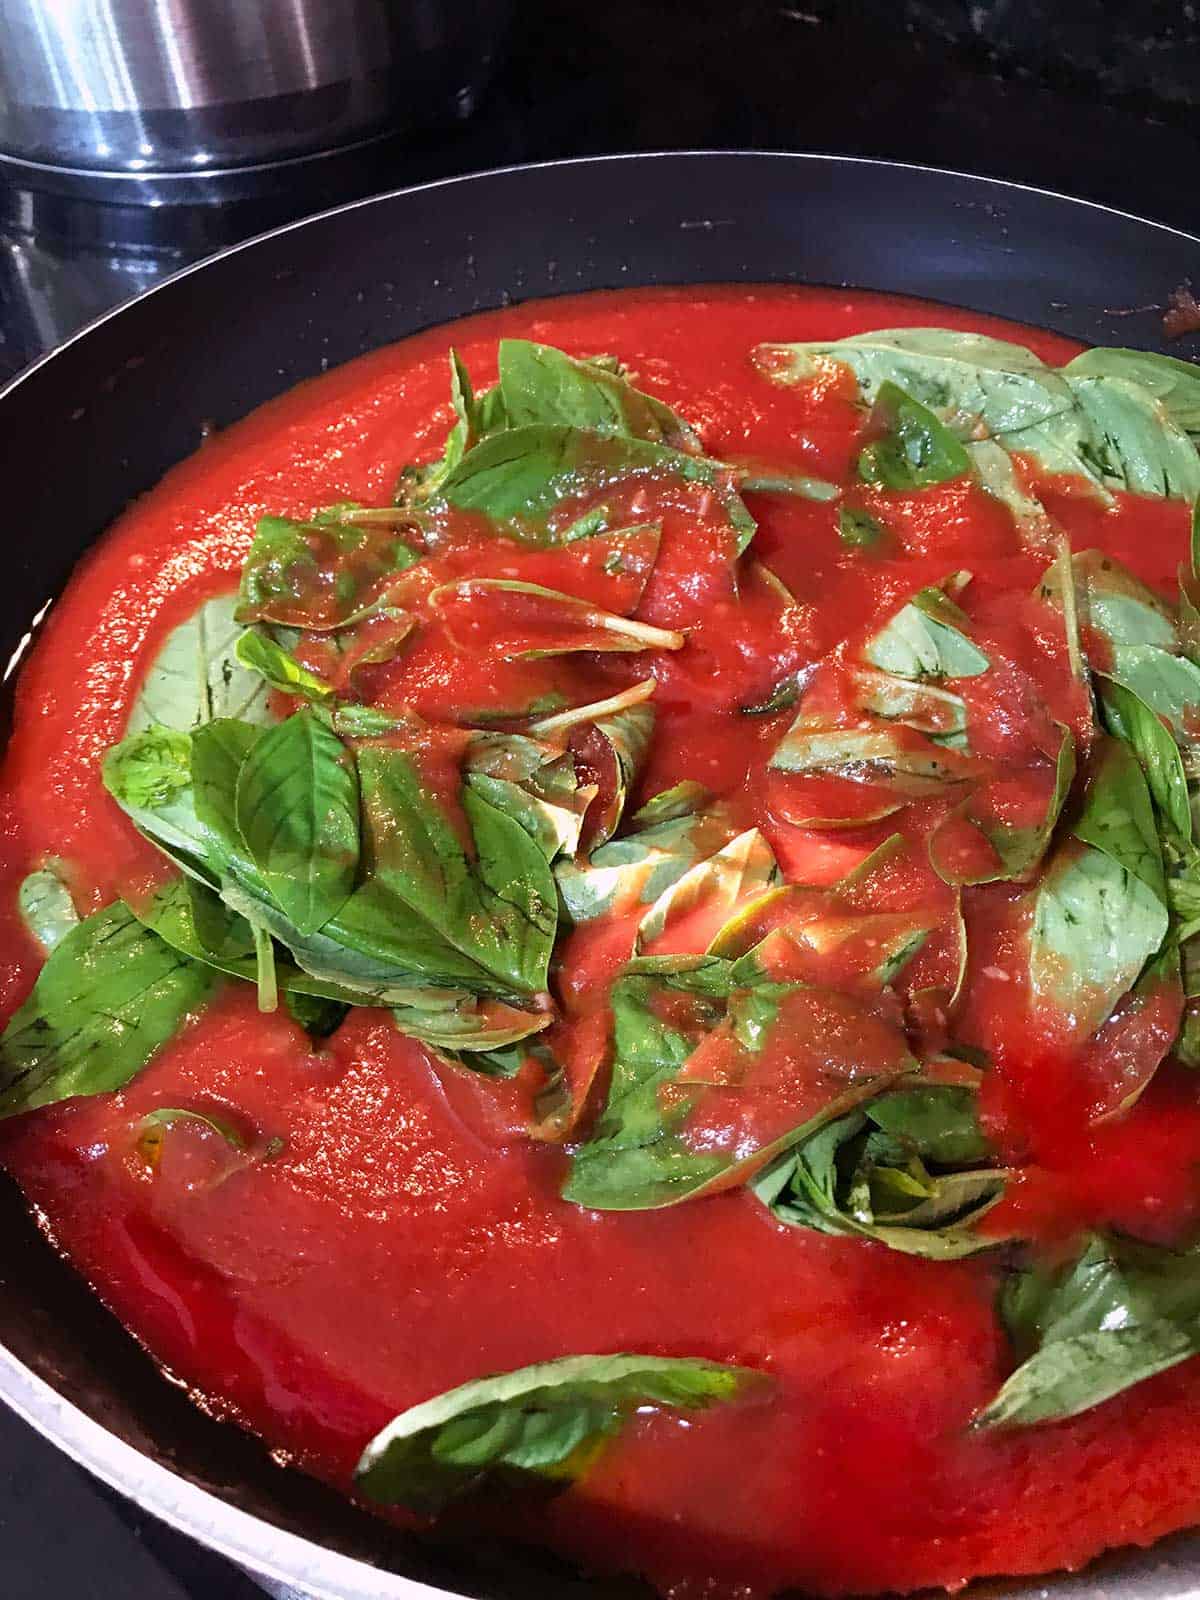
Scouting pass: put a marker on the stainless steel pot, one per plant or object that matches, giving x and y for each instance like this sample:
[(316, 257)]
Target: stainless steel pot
[(194, 86), (100, 420)]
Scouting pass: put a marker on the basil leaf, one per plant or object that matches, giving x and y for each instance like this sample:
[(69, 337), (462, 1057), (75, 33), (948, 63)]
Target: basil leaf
[(297, 810), (218, 753), (925, 639), (541, 1422), (149, 775), (470, 1024), (524, 621), (978, 386), (110, 995), (794, 484), (640, 866), (998, 476), (519, 476), (197, 676), (892, 757), (539, 384), (859, 530), (905, 1169), (323, 574), (683, 799), (1120, 1313), (1116, 422), (737, 872), (1099, 912), (916, 451), (1129, 718), (264, 655), (497, 910), (1018, 848), (1168, 685), (1174, 384), (532, 782), (46, 907)]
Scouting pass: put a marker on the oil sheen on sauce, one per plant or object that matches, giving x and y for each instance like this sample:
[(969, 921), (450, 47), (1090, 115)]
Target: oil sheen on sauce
[(408, 1236)]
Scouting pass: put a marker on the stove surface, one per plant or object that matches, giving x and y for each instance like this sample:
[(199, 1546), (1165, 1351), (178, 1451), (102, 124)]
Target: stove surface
[(927, 81)]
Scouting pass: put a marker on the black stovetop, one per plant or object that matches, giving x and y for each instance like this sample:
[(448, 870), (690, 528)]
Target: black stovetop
[(1100, 102)]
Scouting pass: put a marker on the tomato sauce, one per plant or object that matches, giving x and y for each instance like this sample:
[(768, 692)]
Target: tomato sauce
[(406, 1234)]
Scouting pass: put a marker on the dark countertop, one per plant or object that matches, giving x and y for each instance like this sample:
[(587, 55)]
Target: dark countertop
[(1099, 105)]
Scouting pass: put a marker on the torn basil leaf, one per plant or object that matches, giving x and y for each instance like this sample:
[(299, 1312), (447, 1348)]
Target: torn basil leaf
[(109, 997), (1118, 1314), (915, 450), (908, 1169), (46, 906), (542, 1422)]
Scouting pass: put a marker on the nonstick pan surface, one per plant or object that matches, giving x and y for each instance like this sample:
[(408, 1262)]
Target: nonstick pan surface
[(101, 419)]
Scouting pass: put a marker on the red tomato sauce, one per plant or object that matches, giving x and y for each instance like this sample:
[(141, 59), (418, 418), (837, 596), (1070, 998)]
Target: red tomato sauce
[(408, 1235)]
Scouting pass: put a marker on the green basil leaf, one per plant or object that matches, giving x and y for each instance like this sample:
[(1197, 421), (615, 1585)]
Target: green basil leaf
[(916, 451), (892, 757), (264, 655), (323, 574), (1099, 912), (635, 869), (149, 775), (46, 907), (925, 639), (997, 474), (110, 995), (542, 385), (1129, 718), (905, 1169), (495, 912), (1120, 1313), (541, 1422), (532, 782), (1174, 384), (517, 477), (297, 811), (218, 753), (1019, 849), (197, 676), (1132, 443), (683, 799), (859, 530), (737, 872), (470, 1025), (796, 485), (1168, 685)]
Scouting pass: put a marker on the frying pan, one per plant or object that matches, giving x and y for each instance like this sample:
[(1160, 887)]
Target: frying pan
[(99, 421)]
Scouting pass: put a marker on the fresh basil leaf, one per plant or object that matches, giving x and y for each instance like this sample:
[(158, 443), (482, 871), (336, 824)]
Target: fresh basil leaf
[(318, 1016), (110, 995), (218, 753), (318, 575), (1168, 685), (471, 1025), (497, 911), (500, 616), (197, 676), (905, 1169), (517, 477), (977, 386), (1129, 718), (997, 474), (149, 775), (297, 810), (46, 907), (1019, 848), (915, 450), (859, 530), (264, 655), (793, 484), (1174, 384), (635, 869), (542, 385), (925, 639), (1120, 1313), (737, 872), (892, 757), (939, 713), (1132, 443), (683, 799), (535, 784), (542, 1422), (1099, 912)]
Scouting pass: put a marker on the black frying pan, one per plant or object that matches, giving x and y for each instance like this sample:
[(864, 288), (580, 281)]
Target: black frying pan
[(102, 418)]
